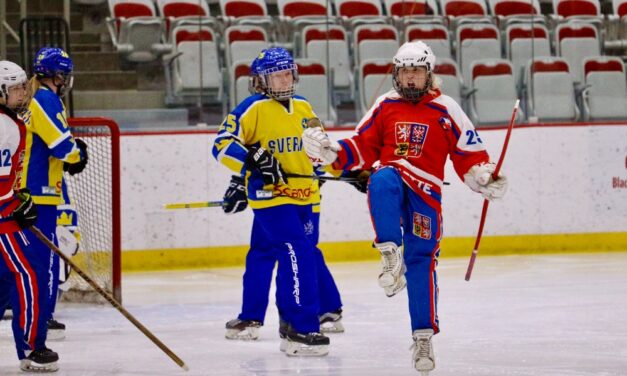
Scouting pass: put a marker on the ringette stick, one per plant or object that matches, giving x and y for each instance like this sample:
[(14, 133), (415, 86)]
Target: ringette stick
[(495, 175), (109, 298), (194, 205), (324, 178)]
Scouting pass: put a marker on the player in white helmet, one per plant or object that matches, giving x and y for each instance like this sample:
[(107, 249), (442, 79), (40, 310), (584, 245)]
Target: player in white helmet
[(411, 131), (23, 278)]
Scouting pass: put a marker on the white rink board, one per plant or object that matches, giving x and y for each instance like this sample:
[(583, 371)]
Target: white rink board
[(560, 182)]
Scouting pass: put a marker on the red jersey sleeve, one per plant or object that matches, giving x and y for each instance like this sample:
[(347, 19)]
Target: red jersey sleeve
[(364, 148)]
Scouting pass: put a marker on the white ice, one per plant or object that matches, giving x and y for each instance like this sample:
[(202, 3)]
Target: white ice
[(519, 315)]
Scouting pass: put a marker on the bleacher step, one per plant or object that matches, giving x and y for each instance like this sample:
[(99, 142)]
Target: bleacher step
[(82, 37), (105, 80), (96, 61), (76, 19), (118, 99)]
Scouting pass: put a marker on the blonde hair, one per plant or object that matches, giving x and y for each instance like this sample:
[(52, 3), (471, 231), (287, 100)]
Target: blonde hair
[(35, 84), (436, 83)]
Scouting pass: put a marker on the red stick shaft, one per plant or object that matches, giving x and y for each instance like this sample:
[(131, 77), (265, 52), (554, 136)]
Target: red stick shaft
[(484, 211)]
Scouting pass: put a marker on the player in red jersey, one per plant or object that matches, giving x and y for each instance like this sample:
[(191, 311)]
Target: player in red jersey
[(22, 277), (405, 139)]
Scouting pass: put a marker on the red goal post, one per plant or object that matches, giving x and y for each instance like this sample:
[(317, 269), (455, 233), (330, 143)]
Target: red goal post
[(95, 194)]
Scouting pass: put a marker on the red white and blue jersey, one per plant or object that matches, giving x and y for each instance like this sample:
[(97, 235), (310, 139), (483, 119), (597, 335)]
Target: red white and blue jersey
[(416, 139), (12, 143)]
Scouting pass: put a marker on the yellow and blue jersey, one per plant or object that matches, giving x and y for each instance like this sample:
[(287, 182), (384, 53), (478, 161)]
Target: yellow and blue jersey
[(264, 122), (49, 143)]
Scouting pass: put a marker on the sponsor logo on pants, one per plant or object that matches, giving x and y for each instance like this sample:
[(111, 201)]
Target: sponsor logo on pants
[(294, 261)]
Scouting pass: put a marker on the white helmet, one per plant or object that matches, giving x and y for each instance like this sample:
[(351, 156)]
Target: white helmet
[(11, 75), (413, 54)]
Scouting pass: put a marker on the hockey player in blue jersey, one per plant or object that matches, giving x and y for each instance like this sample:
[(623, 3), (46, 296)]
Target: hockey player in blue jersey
[(50, 150), (261, 139), (261, 259)]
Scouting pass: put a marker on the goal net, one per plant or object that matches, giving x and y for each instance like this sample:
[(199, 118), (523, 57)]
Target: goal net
[(95, 195)]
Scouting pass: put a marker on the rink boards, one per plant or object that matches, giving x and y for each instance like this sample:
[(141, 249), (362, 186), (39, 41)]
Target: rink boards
[(565, 196)]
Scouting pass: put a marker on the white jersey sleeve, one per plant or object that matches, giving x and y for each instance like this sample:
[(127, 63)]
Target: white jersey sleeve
[(9, 143)]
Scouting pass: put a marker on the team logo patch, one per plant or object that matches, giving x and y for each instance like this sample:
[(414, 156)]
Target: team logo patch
[(422, 226), (309, 228), (445, 122), (410, 137)]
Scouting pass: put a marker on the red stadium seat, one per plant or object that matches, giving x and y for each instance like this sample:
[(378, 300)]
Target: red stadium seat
[(448, 72), (606, 93), (494, 91), (376, 41), (524, 43), (435, 36), (375, 79), (136, 31), (574, 42), (474, 42), (550, 95)]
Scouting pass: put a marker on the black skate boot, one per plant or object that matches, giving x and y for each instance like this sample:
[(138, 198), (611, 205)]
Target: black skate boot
[(245, 330), (42, 360), (6, 315), (331, 322), (283, 327), (56, 330), (311, 344)]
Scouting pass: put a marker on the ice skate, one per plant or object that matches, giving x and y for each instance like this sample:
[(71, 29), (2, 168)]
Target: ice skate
[(245, 330), (422, 355), (331, 322), (56, 330), (42, 360), (283, 326), (311, 344), (392, 278), (7, 315)]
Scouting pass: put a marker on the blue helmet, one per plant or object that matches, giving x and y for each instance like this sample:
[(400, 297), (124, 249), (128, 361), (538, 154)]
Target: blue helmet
[(51, 61), (273, 60)]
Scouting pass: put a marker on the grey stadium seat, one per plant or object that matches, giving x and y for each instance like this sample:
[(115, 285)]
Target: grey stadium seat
[(550, 91), (605, 96)]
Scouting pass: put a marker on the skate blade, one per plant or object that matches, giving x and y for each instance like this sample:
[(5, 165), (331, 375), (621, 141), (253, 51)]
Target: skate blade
[(391, 291), (283, 345), (424, 366), (55, 335), (294, 349), (332, 327), (27, 365), (386, 280), (248, 334)]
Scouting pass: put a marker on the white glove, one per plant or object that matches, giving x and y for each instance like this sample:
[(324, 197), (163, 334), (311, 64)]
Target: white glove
[(319, 147), (479, 179)]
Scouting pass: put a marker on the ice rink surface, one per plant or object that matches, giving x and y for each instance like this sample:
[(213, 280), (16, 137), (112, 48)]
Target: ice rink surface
[(519, 315)]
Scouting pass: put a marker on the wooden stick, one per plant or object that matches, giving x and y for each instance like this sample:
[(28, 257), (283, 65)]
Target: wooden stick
[(484, 211), (109, 298)]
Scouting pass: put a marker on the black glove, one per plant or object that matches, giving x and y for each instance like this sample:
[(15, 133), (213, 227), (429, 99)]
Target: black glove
[(75, 168), (26, 213), (260, 159), (362, 180), (235, 199)]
